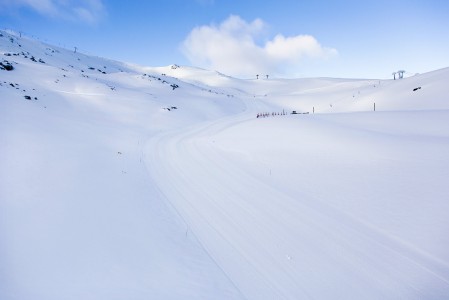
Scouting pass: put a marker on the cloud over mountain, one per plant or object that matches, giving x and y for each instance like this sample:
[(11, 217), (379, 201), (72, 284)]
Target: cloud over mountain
[(89, 11), (232, 47)]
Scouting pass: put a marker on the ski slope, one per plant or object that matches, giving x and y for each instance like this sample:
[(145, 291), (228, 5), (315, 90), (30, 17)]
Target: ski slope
[(310, 222), (123, 181)]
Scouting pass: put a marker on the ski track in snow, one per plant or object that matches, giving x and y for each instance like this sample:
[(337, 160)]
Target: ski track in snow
[(259, 235), (109, 192)]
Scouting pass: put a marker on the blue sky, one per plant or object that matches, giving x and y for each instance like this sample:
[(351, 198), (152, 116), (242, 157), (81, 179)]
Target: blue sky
[(284, 38)]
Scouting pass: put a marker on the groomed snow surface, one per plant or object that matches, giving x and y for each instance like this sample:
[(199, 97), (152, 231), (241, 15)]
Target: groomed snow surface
[(125, 182)]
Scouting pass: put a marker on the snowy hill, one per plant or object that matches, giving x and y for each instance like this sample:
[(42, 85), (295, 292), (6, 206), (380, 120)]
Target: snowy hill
[(127, 182)]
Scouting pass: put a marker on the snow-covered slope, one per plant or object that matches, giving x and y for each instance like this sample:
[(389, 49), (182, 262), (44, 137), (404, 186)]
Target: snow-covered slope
[(79, 215), (127, 182)]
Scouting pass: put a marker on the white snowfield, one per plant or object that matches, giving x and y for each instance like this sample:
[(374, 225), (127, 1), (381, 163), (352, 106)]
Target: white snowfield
[(128, 182)]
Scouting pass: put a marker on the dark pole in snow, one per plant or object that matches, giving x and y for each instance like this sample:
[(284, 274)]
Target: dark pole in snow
[(374, 106)]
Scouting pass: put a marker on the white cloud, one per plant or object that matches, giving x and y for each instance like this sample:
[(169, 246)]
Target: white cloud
[(89, 11), (41, 6), (297, 47), (232, 48)]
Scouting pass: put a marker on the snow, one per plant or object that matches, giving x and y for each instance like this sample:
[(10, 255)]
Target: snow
[(114, 184)]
